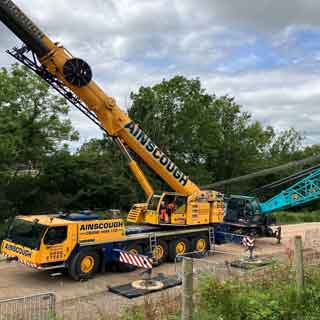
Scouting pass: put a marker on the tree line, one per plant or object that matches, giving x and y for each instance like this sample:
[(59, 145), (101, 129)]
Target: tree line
[(210, 138)]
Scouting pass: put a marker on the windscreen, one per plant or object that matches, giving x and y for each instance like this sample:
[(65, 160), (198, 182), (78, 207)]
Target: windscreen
[(153, 203), (26, 233)]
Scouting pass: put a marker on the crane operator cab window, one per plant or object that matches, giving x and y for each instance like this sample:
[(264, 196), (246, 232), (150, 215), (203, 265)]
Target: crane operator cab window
[(55, 235), (172, 209)]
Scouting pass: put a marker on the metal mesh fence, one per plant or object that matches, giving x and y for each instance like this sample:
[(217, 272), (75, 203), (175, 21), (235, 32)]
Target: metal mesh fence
[(35, 307)]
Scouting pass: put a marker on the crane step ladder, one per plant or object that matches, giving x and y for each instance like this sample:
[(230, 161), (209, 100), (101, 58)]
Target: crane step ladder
[(211, 239), (152, 242)]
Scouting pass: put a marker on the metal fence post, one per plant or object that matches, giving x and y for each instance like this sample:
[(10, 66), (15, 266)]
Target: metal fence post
[(187, 289), (298, 262)]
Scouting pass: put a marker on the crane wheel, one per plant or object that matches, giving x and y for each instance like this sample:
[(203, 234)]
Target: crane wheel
[(160, 252), (200, 245), (178, 247), (131, 248), (84, 264)]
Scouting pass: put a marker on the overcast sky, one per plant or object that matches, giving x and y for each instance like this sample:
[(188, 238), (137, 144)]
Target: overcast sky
[(266, 53)]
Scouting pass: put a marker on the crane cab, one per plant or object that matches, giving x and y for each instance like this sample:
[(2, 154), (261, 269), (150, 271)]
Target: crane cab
[(171, 208)]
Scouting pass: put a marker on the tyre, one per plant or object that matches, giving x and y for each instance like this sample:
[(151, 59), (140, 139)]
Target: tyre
[(160, 252), (131, 248), (84, 264), (178, 246), (200, 245)]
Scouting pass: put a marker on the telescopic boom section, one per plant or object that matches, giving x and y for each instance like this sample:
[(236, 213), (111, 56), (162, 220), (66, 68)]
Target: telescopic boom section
[(76, 75)]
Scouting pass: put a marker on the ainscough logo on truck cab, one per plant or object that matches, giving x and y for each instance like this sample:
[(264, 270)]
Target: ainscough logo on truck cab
[(23, 252), (156, 153)]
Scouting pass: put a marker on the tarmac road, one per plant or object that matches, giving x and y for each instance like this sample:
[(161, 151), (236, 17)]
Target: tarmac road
[(76, 299)]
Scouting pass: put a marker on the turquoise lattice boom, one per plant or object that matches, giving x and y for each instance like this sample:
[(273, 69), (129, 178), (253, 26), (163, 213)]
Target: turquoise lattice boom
[(306, 190)]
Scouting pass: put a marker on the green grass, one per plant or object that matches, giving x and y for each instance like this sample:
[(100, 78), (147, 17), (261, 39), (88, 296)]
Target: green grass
[(286, 217), (269, 296)]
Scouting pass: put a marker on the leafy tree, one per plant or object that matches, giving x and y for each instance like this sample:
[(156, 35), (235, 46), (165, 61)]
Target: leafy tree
[(32, 118), (209, 137), (33, 125)]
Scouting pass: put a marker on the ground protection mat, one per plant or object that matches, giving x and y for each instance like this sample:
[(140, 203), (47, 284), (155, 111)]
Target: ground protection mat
[(128, 291)]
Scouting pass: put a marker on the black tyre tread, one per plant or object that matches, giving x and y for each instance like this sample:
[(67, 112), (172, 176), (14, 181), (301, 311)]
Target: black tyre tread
[(74, 267)]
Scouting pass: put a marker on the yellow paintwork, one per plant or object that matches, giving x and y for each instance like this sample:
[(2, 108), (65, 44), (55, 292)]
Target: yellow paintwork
[(217, 211), (141, 178), (151, 217), (61, 251), (203, 208), (201, 245), (158, 252), (24, 254), (78, 231), (47, 220), (178, 218), (87, 264), (136, 214), (181, 248), (101, 230)]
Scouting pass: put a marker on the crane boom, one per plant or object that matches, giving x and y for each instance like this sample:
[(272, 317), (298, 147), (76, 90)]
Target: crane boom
[(304, 191), (77, 76)]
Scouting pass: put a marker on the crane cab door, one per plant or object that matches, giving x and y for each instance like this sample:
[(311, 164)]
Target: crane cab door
[(172, 209), (168, 208), (178, 214)]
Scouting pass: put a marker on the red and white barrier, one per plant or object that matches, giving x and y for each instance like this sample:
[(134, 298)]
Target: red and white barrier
[(248, 242), (136, 260)]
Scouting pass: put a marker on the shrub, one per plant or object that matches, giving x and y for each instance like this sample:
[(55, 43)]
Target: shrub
[(272, 297)]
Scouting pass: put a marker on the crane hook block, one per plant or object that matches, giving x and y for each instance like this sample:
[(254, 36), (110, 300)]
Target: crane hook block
[(77, 72)]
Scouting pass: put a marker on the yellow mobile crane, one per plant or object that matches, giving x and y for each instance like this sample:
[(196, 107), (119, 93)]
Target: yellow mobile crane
[(82, 243), (192, 205)]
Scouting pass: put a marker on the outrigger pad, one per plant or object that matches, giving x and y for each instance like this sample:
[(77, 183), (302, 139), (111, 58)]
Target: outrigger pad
[(250, 263), (128, 291)]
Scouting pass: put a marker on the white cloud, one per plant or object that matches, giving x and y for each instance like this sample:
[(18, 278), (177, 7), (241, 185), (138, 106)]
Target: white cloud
[(281, 98), (131, 43)]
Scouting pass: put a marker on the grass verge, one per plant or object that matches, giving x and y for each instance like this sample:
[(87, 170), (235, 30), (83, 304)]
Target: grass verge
[(271, 295), (286, 217)]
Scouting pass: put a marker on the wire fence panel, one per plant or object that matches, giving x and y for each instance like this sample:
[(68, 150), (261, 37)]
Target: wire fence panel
[(35, 307)]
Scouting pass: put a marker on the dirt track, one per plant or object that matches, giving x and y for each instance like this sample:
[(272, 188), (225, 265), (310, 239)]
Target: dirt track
[(77, 298)]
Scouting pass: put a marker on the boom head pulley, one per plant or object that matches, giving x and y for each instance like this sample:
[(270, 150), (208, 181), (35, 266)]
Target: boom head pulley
[(77, 72)]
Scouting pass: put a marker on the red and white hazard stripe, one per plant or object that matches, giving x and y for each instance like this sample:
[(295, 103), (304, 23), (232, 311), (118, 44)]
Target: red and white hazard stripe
[(29, 264), (248, 241), (136, 260)]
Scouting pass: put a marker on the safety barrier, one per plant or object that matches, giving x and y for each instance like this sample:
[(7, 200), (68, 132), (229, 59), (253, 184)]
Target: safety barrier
[(35, 307)]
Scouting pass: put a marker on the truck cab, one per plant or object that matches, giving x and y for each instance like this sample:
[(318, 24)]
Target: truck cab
[(39, 241), (52, 241)]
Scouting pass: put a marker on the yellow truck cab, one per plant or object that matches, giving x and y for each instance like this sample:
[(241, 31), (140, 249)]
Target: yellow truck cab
[(50, 242)]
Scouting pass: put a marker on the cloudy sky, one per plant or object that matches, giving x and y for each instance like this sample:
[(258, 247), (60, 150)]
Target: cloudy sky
[(265, 53)]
